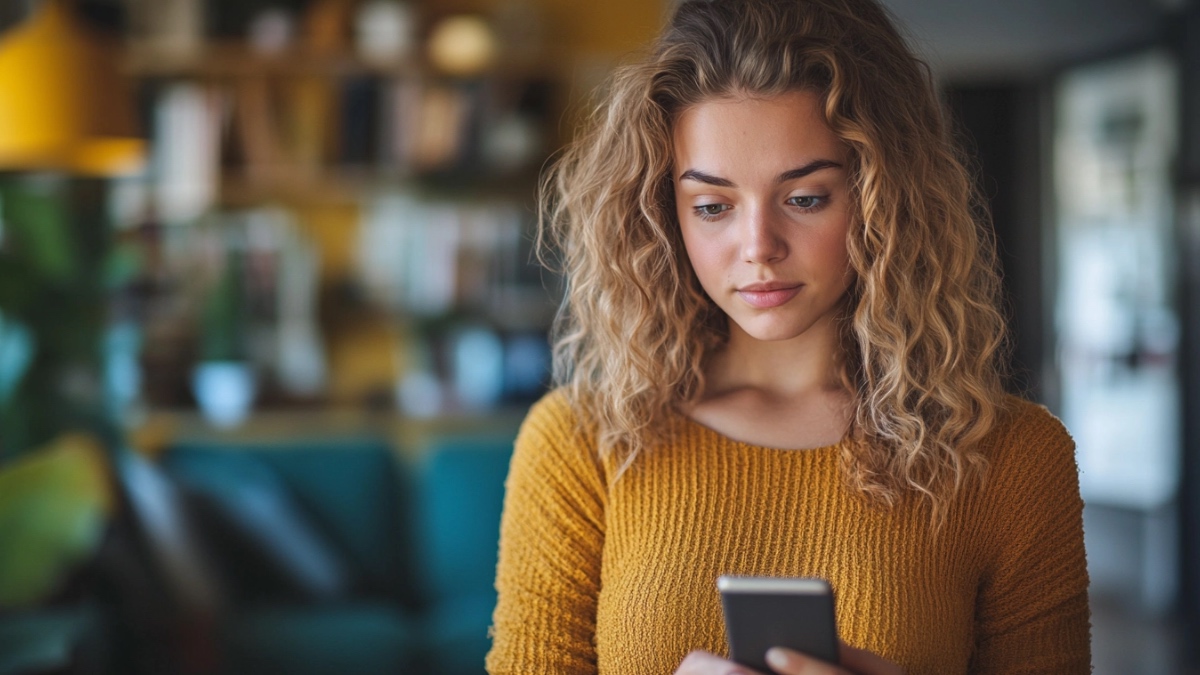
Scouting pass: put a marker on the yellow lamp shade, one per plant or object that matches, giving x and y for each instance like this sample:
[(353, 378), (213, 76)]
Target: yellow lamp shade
[(64, 105)]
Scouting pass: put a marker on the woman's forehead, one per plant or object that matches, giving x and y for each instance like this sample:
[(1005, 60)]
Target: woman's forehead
[(751, 135)]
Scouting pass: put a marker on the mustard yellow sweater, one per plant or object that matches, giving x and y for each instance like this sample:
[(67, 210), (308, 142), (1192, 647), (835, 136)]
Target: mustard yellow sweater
[(603, 576)]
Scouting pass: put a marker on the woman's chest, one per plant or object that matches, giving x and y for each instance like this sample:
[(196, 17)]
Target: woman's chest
[(900, 591)]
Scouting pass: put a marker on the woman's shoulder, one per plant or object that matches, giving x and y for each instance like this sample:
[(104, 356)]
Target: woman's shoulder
[(556, 409), (558, 439), (1028, 445), (559, 419), (1024, 423)]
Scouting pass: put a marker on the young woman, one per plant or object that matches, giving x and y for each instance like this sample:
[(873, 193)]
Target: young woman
[(779, 355)]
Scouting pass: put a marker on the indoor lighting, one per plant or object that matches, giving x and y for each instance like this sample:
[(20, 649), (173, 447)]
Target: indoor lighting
[(64, 105)]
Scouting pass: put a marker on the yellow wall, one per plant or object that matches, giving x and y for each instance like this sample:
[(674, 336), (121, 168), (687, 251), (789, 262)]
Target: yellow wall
[(589, 38), (612, 27)]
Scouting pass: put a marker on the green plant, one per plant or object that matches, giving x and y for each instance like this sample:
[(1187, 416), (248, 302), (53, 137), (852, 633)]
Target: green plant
[(223, 321), (56, 266), (54, 505)]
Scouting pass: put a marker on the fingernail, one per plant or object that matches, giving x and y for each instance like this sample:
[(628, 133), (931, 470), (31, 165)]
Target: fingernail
[(777, 658)]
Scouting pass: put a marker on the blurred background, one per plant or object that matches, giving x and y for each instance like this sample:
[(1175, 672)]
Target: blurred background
[(269, 318)]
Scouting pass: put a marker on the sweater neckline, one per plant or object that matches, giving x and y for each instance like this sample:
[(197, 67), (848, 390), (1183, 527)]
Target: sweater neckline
[(706, 431)]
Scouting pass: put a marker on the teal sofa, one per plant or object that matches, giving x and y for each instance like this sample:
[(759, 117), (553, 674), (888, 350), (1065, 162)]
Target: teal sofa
[(459, 496), (333, 556)]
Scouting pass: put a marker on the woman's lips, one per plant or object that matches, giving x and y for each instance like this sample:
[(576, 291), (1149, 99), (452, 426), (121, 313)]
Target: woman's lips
[(768, 296)]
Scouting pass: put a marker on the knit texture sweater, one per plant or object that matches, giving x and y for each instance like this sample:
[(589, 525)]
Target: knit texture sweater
[(605, 575)]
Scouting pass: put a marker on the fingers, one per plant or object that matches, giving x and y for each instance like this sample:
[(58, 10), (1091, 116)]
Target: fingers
[(854, 662), (866, 663), (703, 663), (788, 662)]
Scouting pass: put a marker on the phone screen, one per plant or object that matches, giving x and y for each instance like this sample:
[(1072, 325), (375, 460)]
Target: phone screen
[(765, 612)]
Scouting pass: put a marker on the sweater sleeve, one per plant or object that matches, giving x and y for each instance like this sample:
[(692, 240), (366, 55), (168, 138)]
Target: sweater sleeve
[(551, 537), (1032, 608)]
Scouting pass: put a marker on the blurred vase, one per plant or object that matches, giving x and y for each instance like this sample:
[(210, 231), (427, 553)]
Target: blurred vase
[(385, 31), (225, 391), (271, 31), (478, 367)]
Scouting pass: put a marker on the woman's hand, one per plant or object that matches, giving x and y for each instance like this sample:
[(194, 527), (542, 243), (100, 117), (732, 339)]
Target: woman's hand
[(787, 662), (703, 663), (854, 662)]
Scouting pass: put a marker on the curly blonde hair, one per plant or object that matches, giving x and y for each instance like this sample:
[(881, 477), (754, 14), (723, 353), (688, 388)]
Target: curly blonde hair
[(922, 333)]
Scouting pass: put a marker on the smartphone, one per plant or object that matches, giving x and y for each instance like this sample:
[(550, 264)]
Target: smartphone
[(765, 612)]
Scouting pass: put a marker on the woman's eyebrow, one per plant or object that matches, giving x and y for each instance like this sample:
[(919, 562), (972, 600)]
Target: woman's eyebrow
[(791, 174), (700, 176), (812, 167)]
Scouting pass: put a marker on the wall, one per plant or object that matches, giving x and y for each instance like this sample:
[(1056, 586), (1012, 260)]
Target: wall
[(1187, 41)]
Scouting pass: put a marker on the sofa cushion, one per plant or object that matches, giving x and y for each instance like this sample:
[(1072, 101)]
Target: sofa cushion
[(355, 489), (458, 514), (267, 546)]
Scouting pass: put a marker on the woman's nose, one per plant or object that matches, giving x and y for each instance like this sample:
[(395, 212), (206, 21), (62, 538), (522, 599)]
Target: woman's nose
[(762, 241)]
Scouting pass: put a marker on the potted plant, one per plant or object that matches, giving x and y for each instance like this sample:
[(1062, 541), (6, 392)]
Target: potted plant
[(55, 259), (224, 381), (56, 496)]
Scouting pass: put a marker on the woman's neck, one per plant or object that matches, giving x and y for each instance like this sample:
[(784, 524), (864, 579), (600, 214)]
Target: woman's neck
[(785, 394), (783, 369)]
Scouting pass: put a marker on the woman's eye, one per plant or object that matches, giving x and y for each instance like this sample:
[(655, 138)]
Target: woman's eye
[(711, 210), (806, 202)]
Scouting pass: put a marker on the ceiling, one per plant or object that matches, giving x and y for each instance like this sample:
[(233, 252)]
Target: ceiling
[(988, 39)]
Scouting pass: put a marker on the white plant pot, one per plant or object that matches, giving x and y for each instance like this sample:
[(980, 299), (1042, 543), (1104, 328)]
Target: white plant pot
[(225, 391)]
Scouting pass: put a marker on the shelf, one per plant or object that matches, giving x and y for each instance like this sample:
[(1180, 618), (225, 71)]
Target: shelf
[(161, 428), (303, 186), (343, 150), (324, 137), (233, 60), (347, 185)]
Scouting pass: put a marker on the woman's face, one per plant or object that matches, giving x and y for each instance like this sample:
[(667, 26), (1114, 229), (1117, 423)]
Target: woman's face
[(763, 205)]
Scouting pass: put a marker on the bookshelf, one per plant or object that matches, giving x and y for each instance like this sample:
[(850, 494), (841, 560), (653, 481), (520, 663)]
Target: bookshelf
[(234, 58), (301, 121), (381, 212)]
